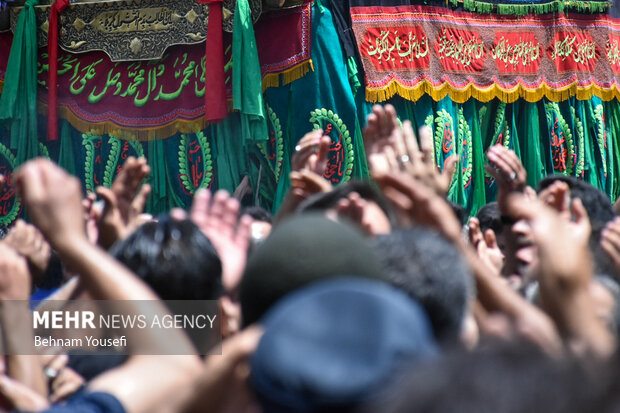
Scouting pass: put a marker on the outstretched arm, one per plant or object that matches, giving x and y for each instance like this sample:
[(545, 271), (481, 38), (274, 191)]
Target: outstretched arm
[(143, 383), (419, 204)]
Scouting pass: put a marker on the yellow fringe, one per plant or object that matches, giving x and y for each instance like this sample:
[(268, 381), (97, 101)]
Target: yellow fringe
[(288, 76), (128, 133), (138, 134), (485, 95), (1, 85)]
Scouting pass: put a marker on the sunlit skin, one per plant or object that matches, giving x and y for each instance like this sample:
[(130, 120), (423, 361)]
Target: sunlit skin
[(520, 264)]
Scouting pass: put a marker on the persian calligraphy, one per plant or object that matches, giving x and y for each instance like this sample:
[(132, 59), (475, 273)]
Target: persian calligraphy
[(137, 20), (402, 48), (516, 52), (559, 152), (464, 55), (140, 83), (573, 51), (460, 50), (7, 195), (613, 52)]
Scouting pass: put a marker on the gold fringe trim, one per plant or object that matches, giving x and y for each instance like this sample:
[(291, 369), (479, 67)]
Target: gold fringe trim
[(495, 91), (128, 133), (288, 76), (1, 85)]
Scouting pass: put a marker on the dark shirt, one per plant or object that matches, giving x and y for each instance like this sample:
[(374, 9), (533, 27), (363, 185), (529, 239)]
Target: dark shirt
[(87, 402)]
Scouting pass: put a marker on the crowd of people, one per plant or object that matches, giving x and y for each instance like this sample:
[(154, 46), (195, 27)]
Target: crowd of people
[(378, 296)]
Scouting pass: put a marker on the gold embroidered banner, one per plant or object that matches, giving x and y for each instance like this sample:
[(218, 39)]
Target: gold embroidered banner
[(417, 50)]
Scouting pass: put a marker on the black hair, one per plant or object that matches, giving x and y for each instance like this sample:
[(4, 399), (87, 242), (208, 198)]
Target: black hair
[(174, 258), (596, 203), (512, 377), (460, 212), (490, 218), (430, 270), (324, 201), (257, 213)]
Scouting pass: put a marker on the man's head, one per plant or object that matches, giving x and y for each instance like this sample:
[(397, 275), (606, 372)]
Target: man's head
[(334, 345), (174, 258), (376, 213), (597, 204), (261, 223), (490, 218), (430, 270), (521, 256), (600, 211), (302, 250), (507, 378)]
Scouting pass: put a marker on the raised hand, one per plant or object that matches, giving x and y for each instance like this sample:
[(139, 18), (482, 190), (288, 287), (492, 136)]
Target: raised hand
[(486, 246), (306, 183), (565, 271), (15, 279), (218, 220), (124, 201), (28, 241), (562, 244), (426, 170), (557, 196), (508, 171), (380, 135), (417, 203), (390, 148), (92, 215), (54, 202), (311, 153), (367, 215)]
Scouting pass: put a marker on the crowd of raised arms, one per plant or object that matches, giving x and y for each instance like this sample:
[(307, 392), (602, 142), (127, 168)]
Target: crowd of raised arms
[(377, 296)]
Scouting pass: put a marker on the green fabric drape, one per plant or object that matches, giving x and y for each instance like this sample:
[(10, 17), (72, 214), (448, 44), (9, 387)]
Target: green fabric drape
[(322, 99), (163, 196), (247, 80), (577, 138), (18, 102), (66, 158)]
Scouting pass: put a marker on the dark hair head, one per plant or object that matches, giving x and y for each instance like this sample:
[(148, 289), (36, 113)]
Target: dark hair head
[(429, 269), (305, 249), (327, 200), (258, 213), (174, 258), (509, 378), (460, 212), (332, 346), (490, 218), (597, 204)]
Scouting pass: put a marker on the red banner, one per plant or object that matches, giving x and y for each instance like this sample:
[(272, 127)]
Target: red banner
[(573, 51), (516, 52), (156, 99), (405, 48), (486, 56), (460, 50)]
